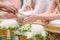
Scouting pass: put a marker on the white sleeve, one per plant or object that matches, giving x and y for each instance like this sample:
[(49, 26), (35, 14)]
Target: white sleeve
[(41, 6)]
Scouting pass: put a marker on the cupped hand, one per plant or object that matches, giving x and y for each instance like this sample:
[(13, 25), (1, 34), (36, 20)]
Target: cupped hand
[(31, 18), (7, 15)]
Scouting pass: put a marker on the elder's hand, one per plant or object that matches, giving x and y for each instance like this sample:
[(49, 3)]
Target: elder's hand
[(9, 9)]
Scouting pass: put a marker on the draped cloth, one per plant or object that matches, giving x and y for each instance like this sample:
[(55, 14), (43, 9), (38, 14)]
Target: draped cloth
[(35, 6), (29, 4)]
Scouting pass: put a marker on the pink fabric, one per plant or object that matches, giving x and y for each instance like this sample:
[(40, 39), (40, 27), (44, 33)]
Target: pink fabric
[(16, 3)]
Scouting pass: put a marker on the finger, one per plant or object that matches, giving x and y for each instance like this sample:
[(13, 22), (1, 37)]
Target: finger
[(15, 10), (5, 11), (8, 9), (5, 15), (31, 19), (27, 20), (12, 15), (2, 9), (11, 10)]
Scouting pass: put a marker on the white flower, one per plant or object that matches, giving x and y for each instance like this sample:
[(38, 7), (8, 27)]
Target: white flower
[(43, 33), (17, 33), (6, 23), (38, 29), (28, 35)]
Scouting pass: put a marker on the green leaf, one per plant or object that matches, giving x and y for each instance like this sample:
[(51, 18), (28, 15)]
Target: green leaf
[(1, 27), (39, 36), (26, 27), (34, 38), (1, 20)]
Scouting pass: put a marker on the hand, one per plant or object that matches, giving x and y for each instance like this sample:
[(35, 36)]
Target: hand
[(7, 15), (11, 15), (9, 9), (31, 18)]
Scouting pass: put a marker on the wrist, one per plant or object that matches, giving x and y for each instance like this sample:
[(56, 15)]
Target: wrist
[(38, 17), (41, 17)]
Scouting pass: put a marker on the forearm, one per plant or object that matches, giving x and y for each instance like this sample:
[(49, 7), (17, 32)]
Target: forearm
[(52, 7), (2, 5), (49, 16)]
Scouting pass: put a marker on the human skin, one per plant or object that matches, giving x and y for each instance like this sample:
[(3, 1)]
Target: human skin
[(9, 9), (50, 14), (16, 3)]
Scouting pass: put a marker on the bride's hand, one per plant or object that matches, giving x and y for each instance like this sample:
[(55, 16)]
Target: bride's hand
[(31, 18)]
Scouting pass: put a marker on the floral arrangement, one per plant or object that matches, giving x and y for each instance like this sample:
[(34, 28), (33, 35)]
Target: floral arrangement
[(8, 23), (28, 30), (31, 31)]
